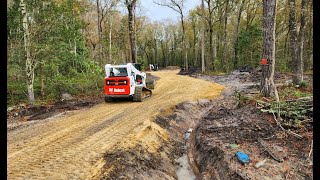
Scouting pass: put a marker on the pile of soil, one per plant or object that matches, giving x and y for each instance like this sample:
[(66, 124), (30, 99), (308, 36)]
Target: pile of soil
[(24, 112), (156, 159), (151, 77), (191, 70), (171, 68)]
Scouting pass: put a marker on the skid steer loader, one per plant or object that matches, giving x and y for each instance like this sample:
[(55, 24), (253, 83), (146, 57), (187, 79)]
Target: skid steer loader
[(126, 81)]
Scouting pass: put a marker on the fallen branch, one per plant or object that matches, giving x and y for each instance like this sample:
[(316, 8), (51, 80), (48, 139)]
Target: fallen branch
[(277, 97), (287, 131), (294, 134), (278, 123), (289, 110), (265, 146), (289, 173), (309, 98), (311, 149)]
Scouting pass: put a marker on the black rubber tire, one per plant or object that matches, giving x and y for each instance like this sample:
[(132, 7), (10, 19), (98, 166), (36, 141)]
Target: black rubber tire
[(137, 96), (108, 99)]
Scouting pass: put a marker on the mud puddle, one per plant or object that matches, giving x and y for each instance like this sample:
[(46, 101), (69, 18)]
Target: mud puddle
[(184, 171)]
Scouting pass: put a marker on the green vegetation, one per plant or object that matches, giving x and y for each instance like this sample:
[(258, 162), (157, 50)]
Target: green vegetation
[(69, 47)]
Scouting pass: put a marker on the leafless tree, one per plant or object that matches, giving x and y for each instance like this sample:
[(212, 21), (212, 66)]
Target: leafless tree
[(296, 40), (203, 68), (268, 52), (241, 8), (131, 5), (30, 62), (177, 6), (103, 8)]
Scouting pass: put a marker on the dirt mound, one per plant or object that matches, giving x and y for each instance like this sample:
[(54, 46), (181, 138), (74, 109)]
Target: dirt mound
[(151, 153), (145, 155), (151, 77), (171, 68), (191, 70), (246, 68), (28, 113)]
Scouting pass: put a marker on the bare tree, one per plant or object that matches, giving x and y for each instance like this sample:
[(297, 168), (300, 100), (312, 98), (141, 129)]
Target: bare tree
[(110, 38), (177, 6), (131, 5), (224, 59), (203, 68), (296, 40), (268, 52), (241, 8), (212, 5), (30, 63), (103, 8)]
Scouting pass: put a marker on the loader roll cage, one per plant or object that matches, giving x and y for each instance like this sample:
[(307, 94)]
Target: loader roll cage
[(118, 72)]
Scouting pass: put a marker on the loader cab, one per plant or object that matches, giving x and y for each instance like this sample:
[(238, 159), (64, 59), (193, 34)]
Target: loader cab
[(138, 79), (117, 72)]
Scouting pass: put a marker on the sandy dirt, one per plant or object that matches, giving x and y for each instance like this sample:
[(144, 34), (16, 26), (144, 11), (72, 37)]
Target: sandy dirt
[(72, 146)]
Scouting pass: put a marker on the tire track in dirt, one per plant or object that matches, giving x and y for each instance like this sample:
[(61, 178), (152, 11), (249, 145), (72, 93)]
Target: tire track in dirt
[(68, 147)]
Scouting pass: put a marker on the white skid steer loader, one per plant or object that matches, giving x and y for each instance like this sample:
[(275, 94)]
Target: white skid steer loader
[(126, 81)]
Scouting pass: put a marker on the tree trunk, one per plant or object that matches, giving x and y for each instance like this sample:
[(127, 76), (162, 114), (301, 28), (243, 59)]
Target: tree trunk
[(220, 34), (225, 37), (130, 6), (299, 75), (110, 39), (41, 80), (194, 44), (99, 32), (268, 52), (30, 64), (163, 53), (293, 41), (135, 34), (155, 51), (211, 52), (203, 68), (184, 43), (236, 48)]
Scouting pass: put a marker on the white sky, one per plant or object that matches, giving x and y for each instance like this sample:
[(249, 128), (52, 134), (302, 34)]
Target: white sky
[(158, 13)]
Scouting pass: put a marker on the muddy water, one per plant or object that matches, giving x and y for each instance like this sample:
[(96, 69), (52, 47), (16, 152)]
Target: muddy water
[(184, 171)]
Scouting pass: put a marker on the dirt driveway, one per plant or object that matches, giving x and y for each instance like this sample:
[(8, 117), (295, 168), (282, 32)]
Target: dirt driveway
[(71, 146)]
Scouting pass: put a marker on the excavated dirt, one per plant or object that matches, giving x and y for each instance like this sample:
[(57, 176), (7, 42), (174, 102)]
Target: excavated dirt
[(93, 143), (229, 122), (150, 159)]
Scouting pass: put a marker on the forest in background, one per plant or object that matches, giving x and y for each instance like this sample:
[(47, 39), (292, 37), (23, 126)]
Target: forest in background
[(71, 41)]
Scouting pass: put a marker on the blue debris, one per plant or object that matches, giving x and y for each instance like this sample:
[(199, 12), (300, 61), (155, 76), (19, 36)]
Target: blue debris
[(242, 157)]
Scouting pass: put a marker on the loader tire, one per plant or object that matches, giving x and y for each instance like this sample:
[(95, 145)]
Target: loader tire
[(108, 99), (137, 96)]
